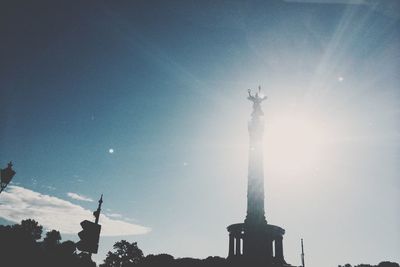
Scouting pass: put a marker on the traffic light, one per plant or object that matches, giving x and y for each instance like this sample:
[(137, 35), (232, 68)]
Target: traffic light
[(89, 237), (6, 175)]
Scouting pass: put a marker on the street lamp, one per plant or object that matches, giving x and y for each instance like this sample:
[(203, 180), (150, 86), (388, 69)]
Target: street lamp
[(6, 175)]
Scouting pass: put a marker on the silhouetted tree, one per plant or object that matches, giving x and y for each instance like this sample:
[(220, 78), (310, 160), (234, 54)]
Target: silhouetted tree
[(85, 260), (32, 228), (52, 239), (215, 261), (126, 254), (68, 248), (188, 262), (388, 264), (381, 264), (18, 244), (164, 260), (19, 247)]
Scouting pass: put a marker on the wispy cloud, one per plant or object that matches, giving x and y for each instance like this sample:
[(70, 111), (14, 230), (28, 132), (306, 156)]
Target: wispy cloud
[(114, 215), (19, 203), (79, 197)]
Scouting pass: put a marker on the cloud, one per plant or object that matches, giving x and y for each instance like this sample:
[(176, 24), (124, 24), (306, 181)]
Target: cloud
[(114, 215), (79, 197), (19, 203)]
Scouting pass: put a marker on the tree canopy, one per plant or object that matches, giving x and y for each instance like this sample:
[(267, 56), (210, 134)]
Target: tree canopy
[(20, 246), (125, 254)]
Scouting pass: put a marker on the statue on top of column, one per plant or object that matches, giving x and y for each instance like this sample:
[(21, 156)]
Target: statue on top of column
[(256, 99)]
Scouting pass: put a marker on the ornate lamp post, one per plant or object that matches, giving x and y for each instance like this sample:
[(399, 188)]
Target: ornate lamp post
[(6, 175)]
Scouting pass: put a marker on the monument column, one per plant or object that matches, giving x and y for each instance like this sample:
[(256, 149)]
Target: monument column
[(258, 237), (255, 184), (237, 246), (231, 245), (279, 249)]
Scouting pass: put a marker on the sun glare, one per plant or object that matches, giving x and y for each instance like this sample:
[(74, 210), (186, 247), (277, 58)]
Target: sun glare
[(293, 144)]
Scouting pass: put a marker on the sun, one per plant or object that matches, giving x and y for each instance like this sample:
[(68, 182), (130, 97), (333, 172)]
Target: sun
[(293, 143)]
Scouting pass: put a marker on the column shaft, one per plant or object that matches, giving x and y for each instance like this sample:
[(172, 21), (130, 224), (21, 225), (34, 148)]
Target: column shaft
[(279, 249), (237, 246), (231, 245)]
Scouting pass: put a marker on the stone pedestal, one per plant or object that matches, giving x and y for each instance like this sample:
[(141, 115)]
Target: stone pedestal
[(256, 244)]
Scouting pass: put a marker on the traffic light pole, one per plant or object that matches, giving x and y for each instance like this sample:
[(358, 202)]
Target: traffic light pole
[(90, 234), (96, 214)]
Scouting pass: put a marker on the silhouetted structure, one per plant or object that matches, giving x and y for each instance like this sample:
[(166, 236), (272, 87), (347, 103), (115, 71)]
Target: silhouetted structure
[(90, 235), (255, 242), (20, 246), (381, 264), (302, 254), (6, 176)]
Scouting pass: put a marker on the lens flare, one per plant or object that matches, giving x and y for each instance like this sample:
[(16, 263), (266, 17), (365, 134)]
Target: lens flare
[(293, 144)]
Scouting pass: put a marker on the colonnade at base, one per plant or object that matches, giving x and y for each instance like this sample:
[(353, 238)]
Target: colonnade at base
[(235, 245), (265, 245)]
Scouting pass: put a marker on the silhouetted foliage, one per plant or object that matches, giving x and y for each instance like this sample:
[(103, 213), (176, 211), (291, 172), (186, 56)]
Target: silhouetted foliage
[(128, 254), (208, 262), (18, 244), (381, 264), (32, 228), (52, 239), (125, 254), (20, 247), (85, 260), (388, 264), (164, 260)]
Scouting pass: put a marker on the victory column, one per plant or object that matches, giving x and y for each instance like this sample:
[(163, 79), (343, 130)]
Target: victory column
[(255, 242)]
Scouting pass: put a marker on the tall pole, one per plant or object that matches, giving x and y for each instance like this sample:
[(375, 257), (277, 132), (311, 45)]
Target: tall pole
[(96, 215), (302, 253), (97, 212)]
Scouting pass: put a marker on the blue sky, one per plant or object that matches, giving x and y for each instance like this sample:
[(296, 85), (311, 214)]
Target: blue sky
[(164, 86)]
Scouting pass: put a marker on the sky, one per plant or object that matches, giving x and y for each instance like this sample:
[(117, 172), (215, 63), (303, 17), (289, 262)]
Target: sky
[(145, 102)]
